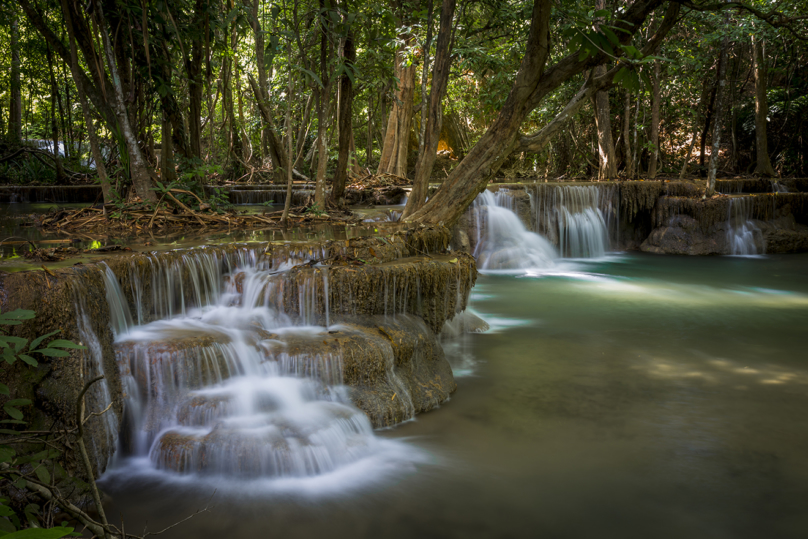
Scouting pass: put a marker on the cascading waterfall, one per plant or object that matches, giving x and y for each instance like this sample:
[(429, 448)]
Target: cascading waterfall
[(215, 387), (581, 219), (743, 236), (503, 242)]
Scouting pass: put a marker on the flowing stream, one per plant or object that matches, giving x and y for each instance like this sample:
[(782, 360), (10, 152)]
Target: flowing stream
[(622, 396)]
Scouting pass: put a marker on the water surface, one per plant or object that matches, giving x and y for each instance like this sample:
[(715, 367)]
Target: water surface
[(635, 396)]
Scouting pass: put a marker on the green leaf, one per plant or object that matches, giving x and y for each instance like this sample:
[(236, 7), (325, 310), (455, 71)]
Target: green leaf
[(40, 533), (13, 412), (6, 453), (17, 341), (36, 342), (19, 402), (15, 317), (4, 390), (28, 359), (601, 13), (63, 343), (42, 474), (50, 352)]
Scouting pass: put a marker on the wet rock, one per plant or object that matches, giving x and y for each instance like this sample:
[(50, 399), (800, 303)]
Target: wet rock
[(465, 322), (684, 236)]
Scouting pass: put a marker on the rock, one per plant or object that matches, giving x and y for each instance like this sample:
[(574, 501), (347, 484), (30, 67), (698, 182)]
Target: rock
[(684, 236)]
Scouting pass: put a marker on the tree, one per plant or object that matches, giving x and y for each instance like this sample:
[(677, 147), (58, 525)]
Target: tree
[(763, 165), (434, 121)]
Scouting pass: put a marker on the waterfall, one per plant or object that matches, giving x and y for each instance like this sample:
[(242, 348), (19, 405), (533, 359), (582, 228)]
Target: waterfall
[(227, 382), (503, 242), (743, 236), (581, 219)]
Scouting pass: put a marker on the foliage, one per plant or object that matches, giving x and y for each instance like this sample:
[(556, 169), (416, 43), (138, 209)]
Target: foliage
[(25, 458)]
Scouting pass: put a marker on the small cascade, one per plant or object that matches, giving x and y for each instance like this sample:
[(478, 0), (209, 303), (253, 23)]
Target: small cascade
[(778, 187), (231, 381), (581, 219), (743, 236), (503, 242)]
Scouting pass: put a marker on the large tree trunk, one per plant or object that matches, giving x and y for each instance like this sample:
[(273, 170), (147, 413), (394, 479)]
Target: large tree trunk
[(652, 166), (763, 165), (431, 135), (138, 168), (15, 108), (399, 123), (531, 85), (95, 147), (345, 124), (718, 116)]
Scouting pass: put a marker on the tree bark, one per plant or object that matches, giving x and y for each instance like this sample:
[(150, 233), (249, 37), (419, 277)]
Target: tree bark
[(399, 123), (15, 108), (277, 153), (652, 165), (627, 135), (345, 124), (323, 96), (138, 168), (607, 163), (763, 166), (431, 135), (193, 69), (60, 171), (718, 116), (425, 73)]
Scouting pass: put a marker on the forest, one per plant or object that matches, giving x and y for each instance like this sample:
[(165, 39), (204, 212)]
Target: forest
[(207, 93), (304, 267)]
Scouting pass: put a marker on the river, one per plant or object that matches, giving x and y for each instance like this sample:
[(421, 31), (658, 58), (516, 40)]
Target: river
[(628, 396)]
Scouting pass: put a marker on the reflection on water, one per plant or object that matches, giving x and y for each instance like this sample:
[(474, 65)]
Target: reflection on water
[(665, 397)]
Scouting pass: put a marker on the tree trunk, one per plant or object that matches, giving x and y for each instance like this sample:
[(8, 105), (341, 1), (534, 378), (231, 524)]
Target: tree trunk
[(425, 74), (60, 171), (323, 101), (88, 121), (345, 128), (277, 153), (763, 166), (689, 152), (168, 173), (627, 135), (431, 135), (193, 68), (607, 163), (290, 92), (15, 108), (138, 168), (399, 123), (652, 166), (708, 116), (718, 116)]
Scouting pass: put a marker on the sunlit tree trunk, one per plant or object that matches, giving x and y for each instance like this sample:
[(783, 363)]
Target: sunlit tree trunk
[(399, 122), (434, 120)]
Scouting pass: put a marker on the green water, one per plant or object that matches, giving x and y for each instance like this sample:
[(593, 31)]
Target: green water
[(643, 396)]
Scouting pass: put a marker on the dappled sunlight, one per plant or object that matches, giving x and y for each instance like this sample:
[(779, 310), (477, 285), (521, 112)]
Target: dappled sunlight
[(722, 371)]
